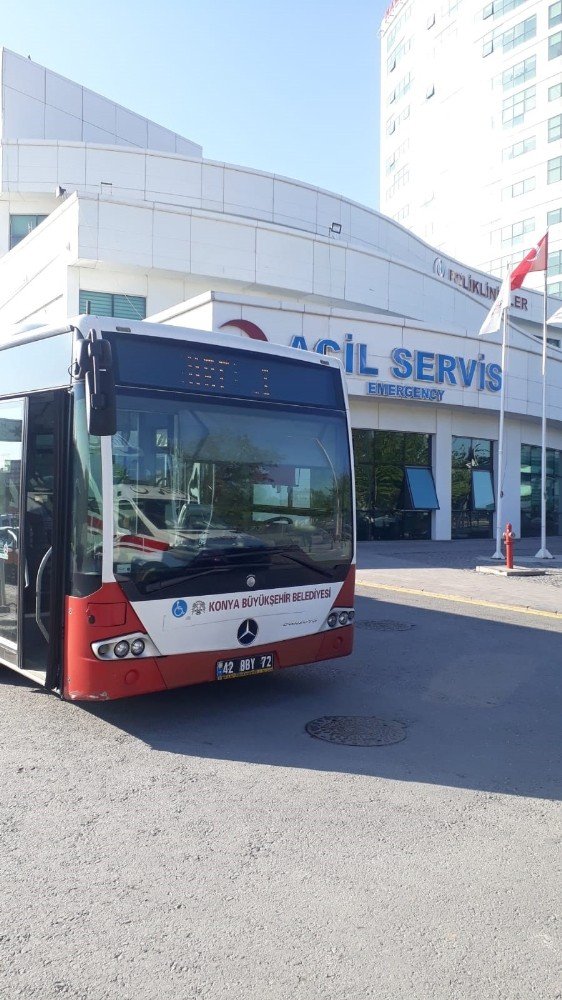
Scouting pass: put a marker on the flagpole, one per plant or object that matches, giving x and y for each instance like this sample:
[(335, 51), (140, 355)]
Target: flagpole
[(499, 506), (543, 552)]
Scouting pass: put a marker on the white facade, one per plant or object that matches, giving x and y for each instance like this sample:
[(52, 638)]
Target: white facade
[(202, 243), (471, 127)]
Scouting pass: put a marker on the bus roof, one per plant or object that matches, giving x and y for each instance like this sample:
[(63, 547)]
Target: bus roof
[(29, 332)]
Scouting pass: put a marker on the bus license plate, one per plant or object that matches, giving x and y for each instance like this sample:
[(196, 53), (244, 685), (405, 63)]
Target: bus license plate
[(241, 666)]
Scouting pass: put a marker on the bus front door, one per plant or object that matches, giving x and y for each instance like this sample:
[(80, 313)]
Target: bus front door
[(43, 515), (11, 446)]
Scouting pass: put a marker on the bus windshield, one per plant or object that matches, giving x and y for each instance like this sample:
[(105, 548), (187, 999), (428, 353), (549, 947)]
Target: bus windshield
[(208, 492)]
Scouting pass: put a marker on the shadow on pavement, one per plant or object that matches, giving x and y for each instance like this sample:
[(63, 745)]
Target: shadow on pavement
[(480, 699)]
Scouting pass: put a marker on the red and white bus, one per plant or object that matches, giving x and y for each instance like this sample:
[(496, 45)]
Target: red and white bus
[(175, 507)]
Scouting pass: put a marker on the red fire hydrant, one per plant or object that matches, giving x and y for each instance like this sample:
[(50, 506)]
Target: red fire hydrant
[(508, 537)]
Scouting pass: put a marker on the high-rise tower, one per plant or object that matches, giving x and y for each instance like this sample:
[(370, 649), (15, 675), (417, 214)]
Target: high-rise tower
[(471, 127)]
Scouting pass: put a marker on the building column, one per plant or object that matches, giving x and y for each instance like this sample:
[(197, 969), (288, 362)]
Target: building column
[(441, 458)]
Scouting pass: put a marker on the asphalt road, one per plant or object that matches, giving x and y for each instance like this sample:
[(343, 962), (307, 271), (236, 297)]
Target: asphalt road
[(201, 844)]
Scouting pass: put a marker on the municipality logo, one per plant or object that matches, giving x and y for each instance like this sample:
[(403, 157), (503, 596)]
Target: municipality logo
[(179, 609)]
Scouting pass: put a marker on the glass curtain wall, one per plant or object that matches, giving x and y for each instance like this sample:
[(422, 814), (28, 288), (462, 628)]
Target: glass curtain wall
[(472, 488), (531, 491), (394, 485)]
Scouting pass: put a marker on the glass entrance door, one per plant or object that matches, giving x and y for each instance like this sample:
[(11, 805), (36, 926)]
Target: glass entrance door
[(11, 434)]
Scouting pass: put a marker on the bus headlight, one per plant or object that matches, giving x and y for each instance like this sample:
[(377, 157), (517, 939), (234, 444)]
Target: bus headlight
[(125, 647), (339, 617)]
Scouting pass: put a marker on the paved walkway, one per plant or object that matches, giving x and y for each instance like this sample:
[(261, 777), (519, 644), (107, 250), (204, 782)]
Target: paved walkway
[(448, 569)]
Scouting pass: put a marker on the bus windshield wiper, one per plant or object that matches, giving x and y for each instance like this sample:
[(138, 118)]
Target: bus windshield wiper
[(150, 588), (172, 580), (278, 550)]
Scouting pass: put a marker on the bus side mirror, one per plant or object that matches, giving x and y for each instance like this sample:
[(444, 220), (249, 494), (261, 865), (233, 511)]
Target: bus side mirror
[(100, 404), (95, 362)]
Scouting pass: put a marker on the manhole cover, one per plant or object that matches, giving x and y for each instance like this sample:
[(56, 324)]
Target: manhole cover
[(384, 625), (356, 730)]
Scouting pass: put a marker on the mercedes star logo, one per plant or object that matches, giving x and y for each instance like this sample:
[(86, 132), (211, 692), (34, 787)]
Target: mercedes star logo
[(247, 632)]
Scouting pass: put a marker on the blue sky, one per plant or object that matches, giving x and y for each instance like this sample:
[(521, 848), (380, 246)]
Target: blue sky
[(287, 86)]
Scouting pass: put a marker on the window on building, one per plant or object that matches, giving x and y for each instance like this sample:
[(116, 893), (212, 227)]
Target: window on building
[(21, 226), (421, 488), (107, 304), (399, 52), (482, 490), (394, 484), (472, 488), (554, 170), (552, 341), (400, 89), (515, 234), (402, 213), (514, 108), (519, 148), (488, 45), (404, 86), (554, 217), (393, 123), (555, 45), (519, 188), (531, 462), (555, 14), (555, 92), (517, 75), (555, 128), (398, 26), (500, 7), (555, 288), (496, 267), (520, 33), (554, 266), (401, 177)]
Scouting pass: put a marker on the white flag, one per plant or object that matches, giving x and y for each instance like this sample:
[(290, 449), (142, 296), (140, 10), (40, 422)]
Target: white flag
[(494, 317), (556, 317)]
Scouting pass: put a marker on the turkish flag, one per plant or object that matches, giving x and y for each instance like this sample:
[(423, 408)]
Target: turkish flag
[(536, 260)]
